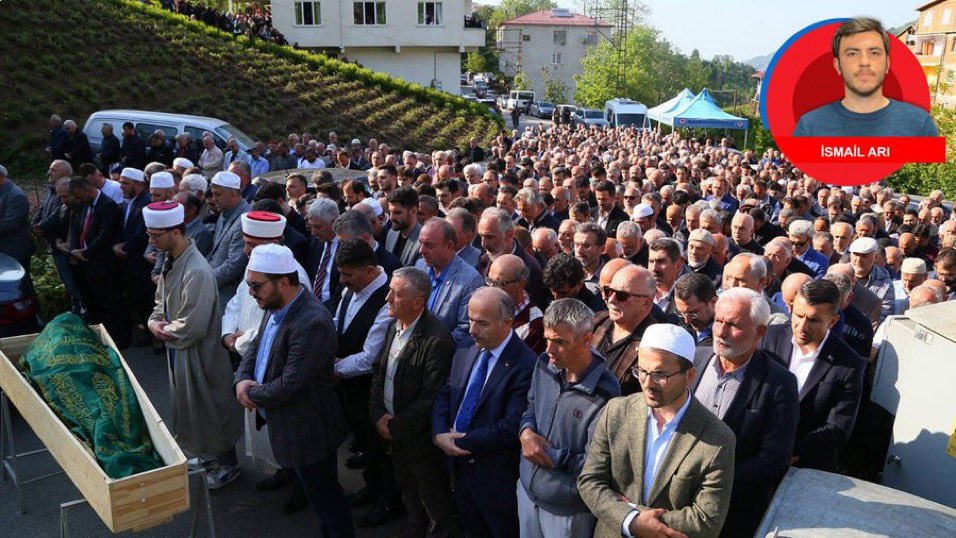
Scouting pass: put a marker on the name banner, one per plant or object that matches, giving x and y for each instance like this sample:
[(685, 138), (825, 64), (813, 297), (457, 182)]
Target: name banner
[(864, 150)]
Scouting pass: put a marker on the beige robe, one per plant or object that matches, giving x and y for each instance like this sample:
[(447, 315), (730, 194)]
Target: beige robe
[(207, 419)]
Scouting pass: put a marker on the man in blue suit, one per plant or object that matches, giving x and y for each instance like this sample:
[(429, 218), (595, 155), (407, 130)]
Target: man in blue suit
[(476, 415), (453, 280)]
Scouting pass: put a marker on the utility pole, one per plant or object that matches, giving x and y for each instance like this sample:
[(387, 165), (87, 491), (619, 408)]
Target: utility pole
[(618, 13)]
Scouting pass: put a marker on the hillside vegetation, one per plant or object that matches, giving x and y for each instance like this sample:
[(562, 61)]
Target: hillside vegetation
[(74, 57)]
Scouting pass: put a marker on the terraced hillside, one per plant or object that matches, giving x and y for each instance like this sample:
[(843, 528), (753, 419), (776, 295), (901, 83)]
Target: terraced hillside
[(73, 57)]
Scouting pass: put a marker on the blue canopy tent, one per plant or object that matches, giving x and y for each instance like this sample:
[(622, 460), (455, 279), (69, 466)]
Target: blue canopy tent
[(676, 103), (702, 112)]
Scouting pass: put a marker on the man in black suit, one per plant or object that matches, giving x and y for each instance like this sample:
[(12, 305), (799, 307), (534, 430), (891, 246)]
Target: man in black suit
[(829, 374), (476, 415), (756, 397), (361, 320), (353, 224), (607, 214), (133, 149), (287, 377), (130, 243), (93, 225), (320, 264), (412, 367)]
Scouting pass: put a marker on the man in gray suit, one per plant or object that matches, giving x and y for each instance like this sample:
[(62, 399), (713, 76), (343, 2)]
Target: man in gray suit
[(453, 280), (466, 226), (402, 239), (660, 463), (226, 257), (15, 238)]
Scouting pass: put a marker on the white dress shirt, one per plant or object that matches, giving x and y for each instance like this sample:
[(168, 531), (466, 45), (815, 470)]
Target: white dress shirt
[(361, 363), (801, 364)]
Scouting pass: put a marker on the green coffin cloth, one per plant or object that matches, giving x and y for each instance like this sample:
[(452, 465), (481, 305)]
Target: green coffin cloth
[(84, 383)]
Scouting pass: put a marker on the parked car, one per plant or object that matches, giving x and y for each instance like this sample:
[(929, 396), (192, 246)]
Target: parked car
[(541, 109), (148, 122), (18, 303), (480, 89), (625, 113), (520, 99), (491, 104), (588, 117)]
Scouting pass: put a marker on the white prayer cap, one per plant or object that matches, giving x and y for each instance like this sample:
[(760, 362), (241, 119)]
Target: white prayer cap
[(182, 162), (228, 180), (702, 235), (913, 266), (671, 338), (162, 180), (263, 224), (134, 174), (642, 210), (195, 182), (863, 245), (356, 142), (272, 259), (374, 204), (161, 215), (331, 147)]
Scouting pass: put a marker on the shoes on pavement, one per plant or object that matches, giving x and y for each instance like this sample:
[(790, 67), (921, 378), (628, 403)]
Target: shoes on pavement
[(274, 482), (222, 475), (198, 463)]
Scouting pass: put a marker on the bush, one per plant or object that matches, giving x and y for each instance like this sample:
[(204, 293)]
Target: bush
[(51, 295)]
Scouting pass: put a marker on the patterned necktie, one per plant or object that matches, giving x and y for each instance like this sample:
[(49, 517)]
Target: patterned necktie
[(473, 393), (322, 270)]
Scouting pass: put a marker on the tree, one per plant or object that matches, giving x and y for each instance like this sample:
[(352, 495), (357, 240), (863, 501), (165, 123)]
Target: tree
[(475, 63), (521, 82), (555, 90)]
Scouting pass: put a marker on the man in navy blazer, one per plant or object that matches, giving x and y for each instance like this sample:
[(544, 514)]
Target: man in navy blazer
[(753, 395), (453, 280), (829, 374), (475, 420)]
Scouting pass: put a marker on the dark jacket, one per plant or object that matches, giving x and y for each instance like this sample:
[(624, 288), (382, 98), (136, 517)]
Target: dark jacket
[(829, 399), (186, 152), (58, 143), (109, 152), (47, 216), (306, 422), (133, 234), (535, 285), (492, 438), (160, 154), (546, 220), (78, 149), (423, 368), (615, 217), (104, 226), (622, 355), (15, 237), (133, 152), (763, 417)]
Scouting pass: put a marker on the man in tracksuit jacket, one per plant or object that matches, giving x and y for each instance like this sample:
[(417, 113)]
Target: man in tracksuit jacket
[(569, 387)]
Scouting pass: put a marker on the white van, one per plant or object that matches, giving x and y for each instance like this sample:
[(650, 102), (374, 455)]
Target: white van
[(520, 99), (147, 123), (625, 113)]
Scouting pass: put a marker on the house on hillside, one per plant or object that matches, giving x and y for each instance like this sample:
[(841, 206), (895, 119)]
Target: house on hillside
[(934, 42), (554, 41), (417, 41)]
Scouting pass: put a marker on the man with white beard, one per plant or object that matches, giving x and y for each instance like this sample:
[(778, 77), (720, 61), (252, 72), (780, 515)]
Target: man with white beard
[(700, 249)]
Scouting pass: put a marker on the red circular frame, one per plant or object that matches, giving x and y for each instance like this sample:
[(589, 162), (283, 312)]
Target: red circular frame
[(803, 79)]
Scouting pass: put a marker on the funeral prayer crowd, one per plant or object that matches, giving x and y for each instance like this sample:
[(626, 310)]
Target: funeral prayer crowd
[(567, 332)]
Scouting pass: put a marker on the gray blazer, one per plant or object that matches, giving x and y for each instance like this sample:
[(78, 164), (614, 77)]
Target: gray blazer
[(470, 254), (867, 302), (226, 257), (15, 238), (306, 421), (410, 253), (451, 303)]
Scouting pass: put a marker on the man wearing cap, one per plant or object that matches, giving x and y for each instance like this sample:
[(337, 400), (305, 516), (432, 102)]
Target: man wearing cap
[(227, 258), (181, 164), (756, 397), (800, 233), (132, 241), (872, 276), (206, 420), (700, 247), (162, 187), (286, 377), (476, 415), (643, 215), (829, 374), (660, 463), (196, 229), (913, 272), (570, 385)]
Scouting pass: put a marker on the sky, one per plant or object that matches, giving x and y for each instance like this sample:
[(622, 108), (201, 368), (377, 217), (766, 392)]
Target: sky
[(748, 28)]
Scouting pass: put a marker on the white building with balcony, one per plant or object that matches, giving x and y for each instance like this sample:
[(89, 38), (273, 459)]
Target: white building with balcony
[(548, 44), (417, 41)]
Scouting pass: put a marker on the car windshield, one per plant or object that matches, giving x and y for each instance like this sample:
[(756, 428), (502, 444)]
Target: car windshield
[(225, 130), (545, 104), (630, 119), (593, 114)]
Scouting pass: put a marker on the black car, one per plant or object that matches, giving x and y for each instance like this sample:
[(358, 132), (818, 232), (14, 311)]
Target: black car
[(18, 303)]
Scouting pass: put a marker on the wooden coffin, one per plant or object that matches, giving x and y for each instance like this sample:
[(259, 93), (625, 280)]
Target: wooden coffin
[(136, 502)]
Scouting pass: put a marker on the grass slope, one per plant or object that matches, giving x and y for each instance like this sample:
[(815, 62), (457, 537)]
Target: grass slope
[(74, 57)]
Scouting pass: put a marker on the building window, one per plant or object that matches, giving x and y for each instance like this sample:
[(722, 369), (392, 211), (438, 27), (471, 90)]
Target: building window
[(591, 39), (429, 13), (947, 16), (308, 13), (556, 58), (369, 13), (928, 18), (526, 37), (560, 37)]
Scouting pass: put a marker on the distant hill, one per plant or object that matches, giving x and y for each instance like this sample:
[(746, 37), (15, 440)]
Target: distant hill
[(74, 57), (759, 63)]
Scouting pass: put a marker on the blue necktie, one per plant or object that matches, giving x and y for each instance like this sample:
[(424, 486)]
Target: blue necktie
[(470, 402)]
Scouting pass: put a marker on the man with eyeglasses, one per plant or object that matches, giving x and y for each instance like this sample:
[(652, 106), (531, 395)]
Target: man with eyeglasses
[(618, 332), (632, 197), (206, 420), (509, 273), (800, 233), (659, 462), (756, 397)]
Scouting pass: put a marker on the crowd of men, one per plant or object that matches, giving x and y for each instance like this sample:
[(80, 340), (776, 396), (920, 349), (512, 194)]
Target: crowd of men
[(253, 21), (568, 332)]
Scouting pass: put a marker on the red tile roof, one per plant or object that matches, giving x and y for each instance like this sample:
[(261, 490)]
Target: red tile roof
[(547, 18)]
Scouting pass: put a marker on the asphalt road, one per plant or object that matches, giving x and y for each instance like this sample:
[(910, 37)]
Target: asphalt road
[(238, 509), (523, 122)]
